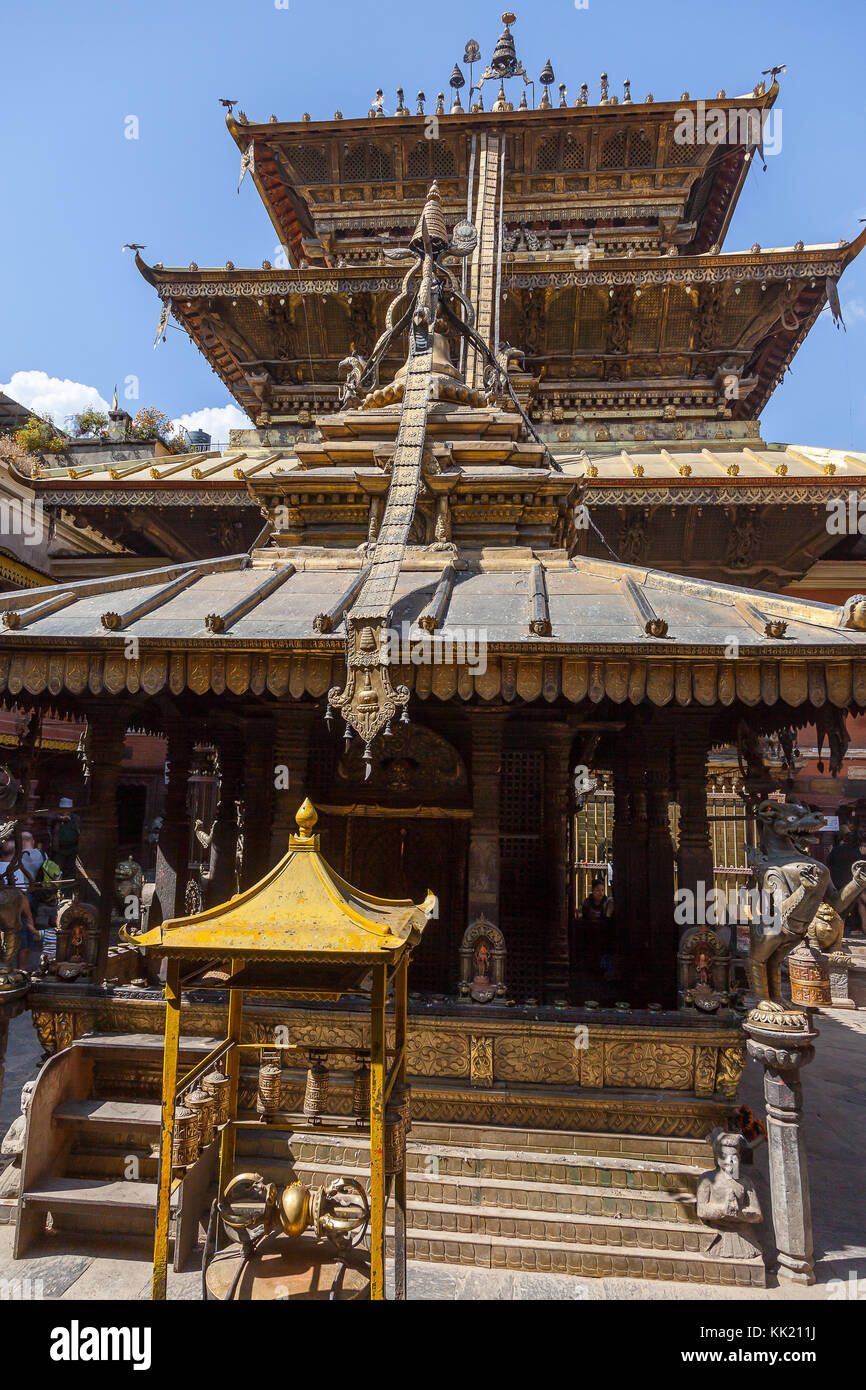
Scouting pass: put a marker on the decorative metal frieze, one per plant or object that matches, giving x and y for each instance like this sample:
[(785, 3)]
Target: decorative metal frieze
[(675, 494), (259, 289), (207, 496), (675, 274)]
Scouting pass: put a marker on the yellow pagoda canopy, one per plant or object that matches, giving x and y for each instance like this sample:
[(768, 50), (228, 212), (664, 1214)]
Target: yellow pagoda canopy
[(303, 915)]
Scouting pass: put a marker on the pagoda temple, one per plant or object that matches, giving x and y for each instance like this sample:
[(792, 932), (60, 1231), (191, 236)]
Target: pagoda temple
[(504, 477)]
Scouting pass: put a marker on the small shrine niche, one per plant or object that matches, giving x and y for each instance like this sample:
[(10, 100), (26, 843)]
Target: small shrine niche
[(704, 968), (77, 942), (482, 962)]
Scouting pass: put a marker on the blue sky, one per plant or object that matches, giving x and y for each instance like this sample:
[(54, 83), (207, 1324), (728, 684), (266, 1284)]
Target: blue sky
[(75, 308)]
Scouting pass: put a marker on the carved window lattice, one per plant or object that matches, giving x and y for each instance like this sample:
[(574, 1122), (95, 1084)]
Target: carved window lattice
[(367, 163), (679, 319), (430, 159), (524, 877), (561, 322), (683, 154), (561, 151), (591, 314), (573, 153), (310, 165), (613, 151), (647, 319), (640, 150)]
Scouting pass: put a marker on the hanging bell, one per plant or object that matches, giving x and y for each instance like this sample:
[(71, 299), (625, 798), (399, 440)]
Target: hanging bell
[(386, 732), (329, 718), (368, 761), (404, 717), (347, 736), (316, 1091)]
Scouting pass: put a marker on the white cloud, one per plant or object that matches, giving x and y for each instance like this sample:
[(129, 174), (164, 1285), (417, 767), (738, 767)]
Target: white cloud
[(49, 395), (215, 421)]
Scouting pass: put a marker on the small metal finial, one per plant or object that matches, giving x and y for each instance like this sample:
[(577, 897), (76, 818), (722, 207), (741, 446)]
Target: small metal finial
[(563, 94), (329, 718), (456, 80), (440, 104), (368, 761), (347, 735), (547, 75), (626, 91), (583, 99), (472, 51), (306, 818), (421, 101), (604, 89)]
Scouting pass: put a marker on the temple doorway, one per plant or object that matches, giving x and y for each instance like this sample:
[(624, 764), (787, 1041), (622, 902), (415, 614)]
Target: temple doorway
[(394, 856)]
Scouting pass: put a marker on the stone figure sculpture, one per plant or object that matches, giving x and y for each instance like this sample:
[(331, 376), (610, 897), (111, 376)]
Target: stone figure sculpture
[(793, 887), (727, 1199)]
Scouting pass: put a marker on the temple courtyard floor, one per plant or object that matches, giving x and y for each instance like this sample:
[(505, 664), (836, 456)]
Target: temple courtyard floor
[(835, 1104)]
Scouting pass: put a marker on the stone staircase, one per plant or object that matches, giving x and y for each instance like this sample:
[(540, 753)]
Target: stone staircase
[(94, 1174), (548, 1201)]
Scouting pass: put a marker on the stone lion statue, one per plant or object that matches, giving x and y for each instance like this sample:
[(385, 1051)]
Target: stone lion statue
[(799, 890)]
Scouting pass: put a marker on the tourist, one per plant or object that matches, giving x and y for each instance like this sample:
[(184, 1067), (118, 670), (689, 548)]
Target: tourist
[(30, 938), (32, 857)]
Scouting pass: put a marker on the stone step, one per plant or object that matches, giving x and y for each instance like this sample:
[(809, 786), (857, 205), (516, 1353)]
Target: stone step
[(123, 1118), (608, 1231), (446, 1161), (562, 1257), (90, 1161), (86, 1204), (550, 1201)]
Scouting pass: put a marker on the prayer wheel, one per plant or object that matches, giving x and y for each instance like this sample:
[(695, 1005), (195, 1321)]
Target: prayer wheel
[(202, 1105), (218, 1085)]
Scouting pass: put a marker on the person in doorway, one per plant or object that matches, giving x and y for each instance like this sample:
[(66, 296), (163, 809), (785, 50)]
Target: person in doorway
[(65, 838), (598, 907)]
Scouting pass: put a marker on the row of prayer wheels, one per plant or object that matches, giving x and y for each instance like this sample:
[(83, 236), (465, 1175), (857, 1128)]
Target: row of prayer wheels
[(316, 1089), (201, 1111), (398, 1119)]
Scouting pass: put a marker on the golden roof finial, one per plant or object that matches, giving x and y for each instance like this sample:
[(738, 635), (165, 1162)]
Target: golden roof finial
[(306, 818)]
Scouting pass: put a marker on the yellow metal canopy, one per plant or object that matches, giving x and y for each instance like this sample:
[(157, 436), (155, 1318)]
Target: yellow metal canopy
[(302, 911)]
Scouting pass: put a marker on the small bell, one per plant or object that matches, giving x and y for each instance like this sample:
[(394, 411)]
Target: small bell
[(386, 732), (347, 736), (368, 761), (329, 718), (404, 717)]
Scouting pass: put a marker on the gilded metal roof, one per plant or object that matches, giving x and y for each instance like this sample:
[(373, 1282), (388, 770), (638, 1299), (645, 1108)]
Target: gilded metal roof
[(507, 597), (301, 912)]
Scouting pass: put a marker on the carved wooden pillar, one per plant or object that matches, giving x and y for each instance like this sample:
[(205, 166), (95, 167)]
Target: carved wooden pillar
[(259, 780), (291, 749), (106, 729), (172, 853), (695, 851), (487, 728), (660, 972), (557, 845), (222, 884)]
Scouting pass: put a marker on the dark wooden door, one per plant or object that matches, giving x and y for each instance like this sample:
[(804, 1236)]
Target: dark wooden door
[(395, 857)]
